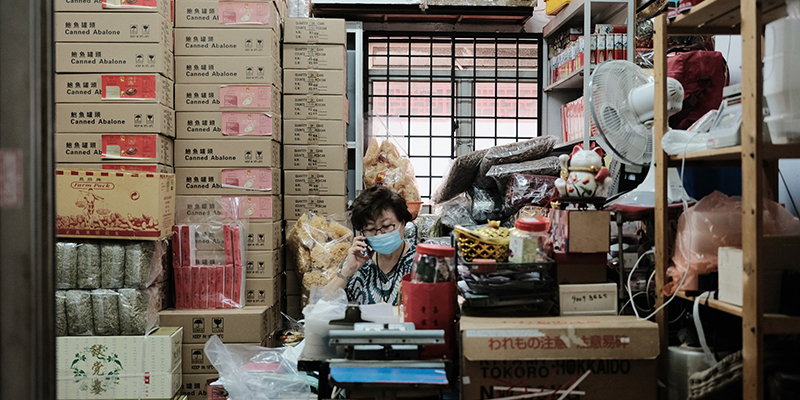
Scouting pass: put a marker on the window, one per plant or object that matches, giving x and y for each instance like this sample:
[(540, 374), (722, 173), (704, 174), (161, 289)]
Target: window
[(440, 96)]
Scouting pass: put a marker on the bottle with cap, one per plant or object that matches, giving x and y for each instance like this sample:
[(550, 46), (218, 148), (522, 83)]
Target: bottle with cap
[(527, 241)]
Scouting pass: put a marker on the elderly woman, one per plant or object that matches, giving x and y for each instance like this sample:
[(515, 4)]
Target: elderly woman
[(379, 257)]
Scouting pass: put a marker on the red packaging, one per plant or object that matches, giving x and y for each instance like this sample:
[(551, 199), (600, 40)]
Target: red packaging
[(219, 271), (196, 287), (179, 304), (204, 287), (226, 230), (432, 306), (175, 242), (237, 286), (186, 239), (129, 87), (236, 246), (228, 293), (212, 286), (188, 289)]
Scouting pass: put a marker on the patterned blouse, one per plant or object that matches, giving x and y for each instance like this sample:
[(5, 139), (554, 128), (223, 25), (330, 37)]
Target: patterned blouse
[(370, 285)]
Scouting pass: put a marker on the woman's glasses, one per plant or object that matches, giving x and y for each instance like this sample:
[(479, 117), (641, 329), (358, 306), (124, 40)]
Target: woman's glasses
[(383, 229)]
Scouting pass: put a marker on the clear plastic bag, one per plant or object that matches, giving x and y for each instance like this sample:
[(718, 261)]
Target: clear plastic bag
[(143, 263), (486, 205), (460, 177), (61, 313), (428, 226), (384, 163), (138, 310), (112, 264), (513, 153), (525, 189), (105, 312), (256, 373), (324, 306), (714, 222), (80, 321), (546, 166), (319, 246), (456, 211), (299, 8), (89, 265), (66, 265)]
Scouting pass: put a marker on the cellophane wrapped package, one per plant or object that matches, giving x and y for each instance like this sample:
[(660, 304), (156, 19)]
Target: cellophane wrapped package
[(383, 163), (319, 246), (512, 153)]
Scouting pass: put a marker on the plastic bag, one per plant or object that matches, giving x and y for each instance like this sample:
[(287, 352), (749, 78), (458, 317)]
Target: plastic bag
[(513, 153), (256, 373), (714, 222), (89, 265), (456, 211), (138, 310), (324, 306), (112, 264), (460, 177), (319, 246), (80, 321), (525, 189), (502, 173), (66, 265), (383, 162), (61, 313), (486, 205), (105, 312), (428, 226)]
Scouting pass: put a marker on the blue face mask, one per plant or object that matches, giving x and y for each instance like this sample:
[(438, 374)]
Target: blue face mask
[(386, 243)]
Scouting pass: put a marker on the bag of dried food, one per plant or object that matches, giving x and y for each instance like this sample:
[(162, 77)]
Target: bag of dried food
[(460, 177), (319, 246), (525, 189), (513, 153), (383, 163)]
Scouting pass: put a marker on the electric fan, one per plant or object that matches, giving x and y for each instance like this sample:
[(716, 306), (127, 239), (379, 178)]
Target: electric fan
[(622, 100)]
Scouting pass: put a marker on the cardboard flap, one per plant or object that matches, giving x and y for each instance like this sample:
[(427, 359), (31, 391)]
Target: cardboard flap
[(558, 338)]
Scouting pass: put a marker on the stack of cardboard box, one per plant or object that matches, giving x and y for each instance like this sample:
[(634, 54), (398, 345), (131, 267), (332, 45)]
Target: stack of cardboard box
[(315, 117), (228, 102), (114, 88)]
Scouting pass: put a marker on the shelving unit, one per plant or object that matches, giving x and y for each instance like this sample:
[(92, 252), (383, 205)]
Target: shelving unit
[(757, 159), (579, 13)]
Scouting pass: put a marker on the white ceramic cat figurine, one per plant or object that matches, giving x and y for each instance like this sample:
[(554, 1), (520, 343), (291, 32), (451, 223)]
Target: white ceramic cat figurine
[(583, 174)]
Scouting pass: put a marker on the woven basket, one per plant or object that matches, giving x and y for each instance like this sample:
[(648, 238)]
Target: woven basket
[(472, 246)]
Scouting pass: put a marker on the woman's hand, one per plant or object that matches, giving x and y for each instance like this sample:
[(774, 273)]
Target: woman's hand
[(355, 258)]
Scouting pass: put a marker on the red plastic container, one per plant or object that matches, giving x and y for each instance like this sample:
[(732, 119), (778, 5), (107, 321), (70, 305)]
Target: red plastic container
[(432, 306)]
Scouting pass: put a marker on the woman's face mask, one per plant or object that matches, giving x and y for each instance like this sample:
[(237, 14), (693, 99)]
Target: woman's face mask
[(386, 243)]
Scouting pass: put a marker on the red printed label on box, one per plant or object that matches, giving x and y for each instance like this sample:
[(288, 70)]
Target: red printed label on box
[(128, 87), (246, 124), (136, 147), (251, 179), (241, 96), (130, 3), (130, 167), (252, 208), (244, 13)]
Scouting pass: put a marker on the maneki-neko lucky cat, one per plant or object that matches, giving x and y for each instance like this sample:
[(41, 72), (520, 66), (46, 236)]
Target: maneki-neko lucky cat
[(583, 174)]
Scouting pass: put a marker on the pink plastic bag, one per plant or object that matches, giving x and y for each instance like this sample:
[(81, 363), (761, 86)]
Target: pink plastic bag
[(714, 222)]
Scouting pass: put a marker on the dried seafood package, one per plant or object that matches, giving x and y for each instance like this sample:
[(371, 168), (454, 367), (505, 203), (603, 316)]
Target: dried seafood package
[(105, 311)]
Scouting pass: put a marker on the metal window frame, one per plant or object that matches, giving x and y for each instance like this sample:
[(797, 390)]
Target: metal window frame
[(463, 99)]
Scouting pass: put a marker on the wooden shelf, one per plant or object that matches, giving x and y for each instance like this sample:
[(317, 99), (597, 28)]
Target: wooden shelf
[(715, 304), (572, 14), (571, 82), (721, 17), (779, 324), (716, 155), (778, 151)]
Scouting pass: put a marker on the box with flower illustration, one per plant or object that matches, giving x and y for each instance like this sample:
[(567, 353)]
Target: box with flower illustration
[(119, 367), (105, 204)]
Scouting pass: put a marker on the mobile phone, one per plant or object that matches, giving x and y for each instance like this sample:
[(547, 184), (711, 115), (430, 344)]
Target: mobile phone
[(366, 253)]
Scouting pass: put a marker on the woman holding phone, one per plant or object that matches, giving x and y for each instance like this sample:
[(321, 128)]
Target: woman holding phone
[(379, 256)]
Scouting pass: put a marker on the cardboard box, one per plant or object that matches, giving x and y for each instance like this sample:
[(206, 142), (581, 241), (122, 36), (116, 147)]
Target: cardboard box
[(296, 206), (581, 231), (315, 30), (194, 360), (238, 325), (227, 42), (206, 14), (316, 182), (112, 118), (262, 70), (233, 181), (315, 157), (587, 299), (253, 153), (264, 264), (113, 27), (195, 386), (311, 106), (552, 352), (303, 81), (162, 7), (294, 307), (228, 125), (263, 292), (108, 88), (124, 167), (114, 205), (216, 97), (193, 209), (122, 367), (261, 236), (314, 56), (127, 58), (330, 132), (99, 148)]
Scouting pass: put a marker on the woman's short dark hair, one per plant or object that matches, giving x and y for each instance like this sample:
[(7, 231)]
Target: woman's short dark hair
[(369, 205)]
